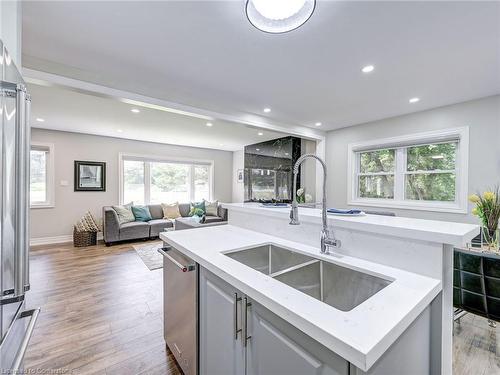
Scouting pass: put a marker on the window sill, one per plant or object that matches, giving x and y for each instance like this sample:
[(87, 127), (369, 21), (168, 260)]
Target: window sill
[(49, 205), (417, 206)]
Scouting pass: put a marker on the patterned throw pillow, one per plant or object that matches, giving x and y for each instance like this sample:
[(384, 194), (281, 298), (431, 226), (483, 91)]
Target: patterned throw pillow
[(197, 207), (171, 211), (124, 212), (211, 208), (141, 213), (87, 224)]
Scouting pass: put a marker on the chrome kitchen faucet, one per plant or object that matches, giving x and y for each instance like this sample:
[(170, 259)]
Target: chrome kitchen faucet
[(327, 239)]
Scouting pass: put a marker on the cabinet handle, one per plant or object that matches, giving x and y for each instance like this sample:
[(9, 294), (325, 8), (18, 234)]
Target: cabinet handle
[(245, 337), (235, 316)]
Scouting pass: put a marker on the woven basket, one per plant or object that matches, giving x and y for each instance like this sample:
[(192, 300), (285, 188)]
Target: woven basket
[(81, 239)]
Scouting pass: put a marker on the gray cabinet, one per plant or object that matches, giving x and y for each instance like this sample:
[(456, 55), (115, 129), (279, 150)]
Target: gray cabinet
[(221, 348), (276, 347), (240, 336)]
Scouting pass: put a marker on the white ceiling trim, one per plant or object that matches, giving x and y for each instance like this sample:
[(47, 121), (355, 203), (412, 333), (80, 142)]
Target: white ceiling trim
[(48, 79)]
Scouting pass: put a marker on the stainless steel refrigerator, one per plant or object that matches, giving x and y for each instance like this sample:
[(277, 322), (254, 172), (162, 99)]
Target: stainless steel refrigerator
[(16, 323)]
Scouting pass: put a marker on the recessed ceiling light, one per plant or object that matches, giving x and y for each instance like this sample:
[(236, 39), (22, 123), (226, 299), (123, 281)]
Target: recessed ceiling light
[(318, 124), (267, 110), (135, 110), (368, 69), (260, 133), (414, 100), (279, 16), (209, 124), (39, 119), (257, 149), (119, 130)]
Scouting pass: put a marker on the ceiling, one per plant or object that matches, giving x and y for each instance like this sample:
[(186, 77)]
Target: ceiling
[(205, 54), (67, 110)]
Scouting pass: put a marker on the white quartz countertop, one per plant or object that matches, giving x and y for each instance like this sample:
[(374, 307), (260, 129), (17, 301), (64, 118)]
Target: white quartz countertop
[(451, 233), (360, 336)]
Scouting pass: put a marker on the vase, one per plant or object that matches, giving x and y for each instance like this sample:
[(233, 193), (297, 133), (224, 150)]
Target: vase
[(490, 239)]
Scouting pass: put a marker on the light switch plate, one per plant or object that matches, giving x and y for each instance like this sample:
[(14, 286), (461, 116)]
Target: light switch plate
[(64, 183)]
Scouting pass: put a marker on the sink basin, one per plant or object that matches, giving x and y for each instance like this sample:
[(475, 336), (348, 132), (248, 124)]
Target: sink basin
[(337, 286), (269, 259)]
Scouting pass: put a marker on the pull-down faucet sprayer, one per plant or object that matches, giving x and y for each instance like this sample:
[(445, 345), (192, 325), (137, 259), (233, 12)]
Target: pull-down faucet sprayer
[(327, 239)]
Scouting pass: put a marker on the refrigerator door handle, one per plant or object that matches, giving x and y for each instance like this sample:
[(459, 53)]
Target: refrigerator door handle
[(21, 194), (18, 360), (27, 169)]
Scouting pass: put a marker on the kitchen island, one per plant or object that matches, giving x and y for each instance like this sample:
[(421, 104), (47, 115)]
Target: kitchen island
[(257, 320)]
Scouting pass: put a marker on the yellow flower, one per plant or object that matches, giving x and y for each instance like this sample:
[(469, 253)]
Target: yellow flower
[(489, 196), (475, 212), (474, 198)]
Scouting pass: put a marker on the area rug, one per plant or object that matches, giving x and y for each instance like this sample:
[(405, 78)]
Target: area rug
[(150, 255)]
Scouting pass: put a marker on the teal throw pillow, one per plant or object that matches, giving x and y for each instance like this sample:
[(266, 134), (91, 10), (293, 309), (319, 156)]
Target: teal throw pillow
[(197, 208), (141, 213)]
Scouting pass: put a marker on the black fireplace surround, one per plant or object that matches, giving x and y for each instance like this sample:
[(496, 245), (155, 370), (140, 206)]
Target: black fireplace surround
[(269, 170)]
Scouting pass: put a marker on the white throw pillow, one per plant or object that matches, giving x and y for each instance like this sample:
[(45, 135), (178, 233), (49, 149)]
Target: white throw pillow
[(124, 212), (211, 208), (171, 211)]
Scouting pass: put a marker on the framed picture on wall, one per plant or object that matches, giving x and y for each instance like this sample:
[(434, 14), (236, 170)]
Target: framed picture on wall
[(240, 175), (90, 176)]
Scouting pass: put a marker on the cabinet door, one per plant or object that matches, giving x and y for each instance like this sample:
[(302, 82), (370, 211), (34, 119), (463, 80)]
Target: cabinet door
[(221, 349), (276, 347)]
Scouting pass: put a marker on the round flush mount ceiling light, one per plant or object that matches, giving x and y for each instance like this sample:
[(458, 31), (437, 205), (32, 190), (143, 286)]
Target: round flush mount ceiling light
[(368, 69), (279, 16)]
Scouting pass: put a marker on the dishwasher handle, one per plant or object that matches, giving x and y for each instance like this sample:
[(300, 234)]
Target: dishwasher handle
[(183, 268)]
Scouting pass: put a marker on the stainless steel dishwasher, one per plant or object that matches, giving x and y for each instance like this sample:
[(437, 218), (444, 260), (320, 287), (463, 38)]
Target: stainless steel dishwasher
[(180, 307)]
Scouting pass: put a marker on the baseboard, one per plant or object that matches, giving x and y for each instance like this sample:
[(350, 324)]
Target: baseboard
[(51, 240), (56, 239)]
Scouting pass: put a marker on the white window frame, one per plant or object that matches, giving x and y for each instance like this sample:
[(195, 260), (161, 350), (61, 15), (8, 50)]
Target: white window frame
[(49, 173), (459, 135), (163, 159)]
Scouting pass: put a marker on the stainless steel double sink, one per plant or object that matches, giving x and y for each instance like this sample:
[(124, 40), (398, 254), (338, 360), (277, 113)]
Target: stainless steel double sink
[(337, 286)]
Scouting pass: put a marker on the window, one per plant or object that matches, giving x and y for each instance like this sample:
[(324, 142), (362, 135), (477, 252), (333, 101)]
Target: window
[(150, 181), (426, 171), (41, 175)]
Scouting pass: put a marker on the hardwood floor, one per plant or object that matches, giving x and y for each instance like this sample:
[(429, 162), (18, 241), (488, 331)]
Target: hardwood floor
[(101, 313), (476, 347)]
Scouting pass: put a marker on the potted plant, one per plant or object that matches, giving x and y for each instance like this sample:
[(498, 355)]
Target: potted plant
[(301, 196), (488, 210)]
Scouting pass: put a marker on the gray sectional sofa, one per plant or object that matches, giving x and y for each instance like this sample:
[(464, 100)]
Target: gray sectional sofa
[(114, 231)]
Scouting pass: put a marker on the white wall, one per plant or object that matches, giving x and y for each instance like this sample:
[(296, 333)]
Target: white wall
[(238, 187), (70, 205), (10, 28), (308, 170), (483, 118)]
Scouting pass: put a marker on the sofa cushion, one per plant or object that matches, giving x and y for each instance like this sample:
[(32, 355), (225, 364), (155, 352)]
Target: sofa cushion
[(156, 211), (184, 209), (134, 229), (141, 213), (212, 219), (124, 213), (159, 225), (170, 211)]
